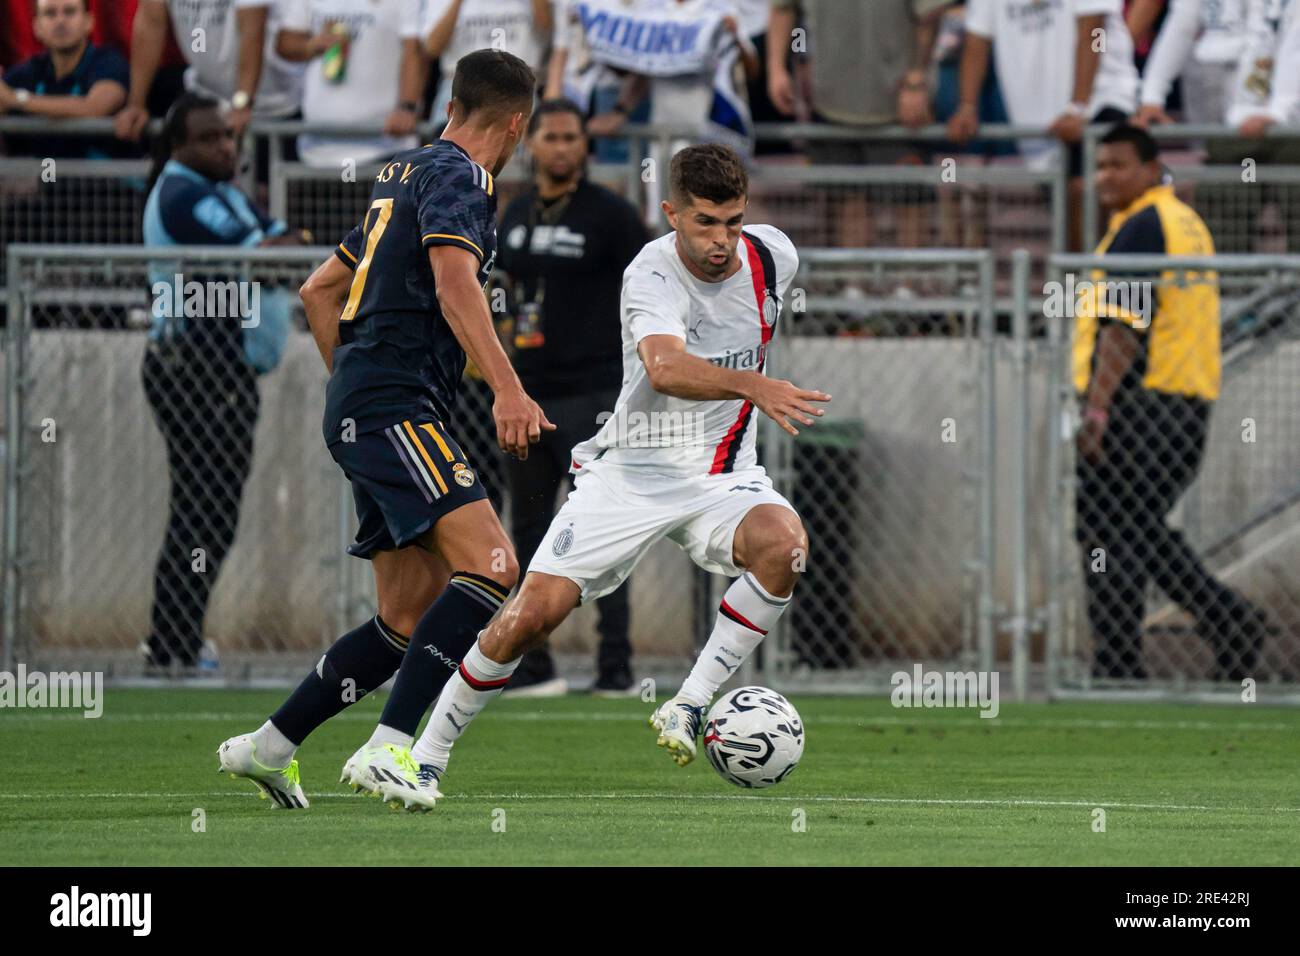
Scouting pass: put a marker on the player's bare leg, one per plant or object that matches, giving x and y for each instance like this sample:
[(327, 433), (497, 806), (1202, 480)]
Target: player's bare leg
[(471, 541), (407, 582), (771, 545), (541, 605)]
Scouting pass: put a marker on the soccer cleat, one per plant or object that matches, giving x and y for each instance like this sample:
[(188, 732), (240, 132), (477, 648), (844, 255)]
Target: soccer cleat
[(678, 724), (391, 773), (354, 772), (236, 757)]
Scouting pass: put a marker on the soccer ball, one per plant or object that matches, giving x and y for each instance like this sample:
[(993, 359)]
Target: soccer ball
[(753, 737)]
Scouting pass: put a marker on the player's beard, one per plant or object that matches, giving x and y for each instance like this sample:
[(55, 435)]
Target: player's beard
[(712, 269)]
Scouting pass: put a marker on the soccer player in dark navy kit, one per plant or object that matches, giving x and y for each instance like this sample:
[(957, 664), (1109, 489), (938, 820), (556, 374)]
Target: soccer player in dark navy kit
[(395, 312)]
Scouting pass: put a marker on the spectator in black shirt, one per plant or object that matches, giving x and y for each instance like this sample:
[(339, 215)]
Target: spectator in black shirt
[(562, 253), (73, 78)]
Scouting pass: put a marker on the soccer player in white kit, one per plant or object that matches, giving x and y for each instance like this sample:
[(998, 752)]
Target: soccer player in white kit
[(676, 459)]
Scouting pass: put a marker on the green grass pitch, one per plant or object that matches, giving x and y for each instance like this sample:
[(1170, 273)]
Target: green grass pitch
[(579, 781)]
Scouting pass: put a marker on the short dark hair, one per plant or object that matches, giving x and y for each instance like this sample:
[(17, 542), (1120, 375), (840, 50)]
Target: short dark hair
[(1143, 142), (176, 123), (175, 129), (710, 171), (85, 6), (494, 83), (553, 106)]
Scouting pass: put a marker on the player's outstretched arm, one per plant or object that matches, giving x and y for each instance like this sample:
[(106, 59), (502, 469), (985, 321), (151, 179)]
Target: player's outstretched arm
[(519, 419), (323, 296), (674, 371)]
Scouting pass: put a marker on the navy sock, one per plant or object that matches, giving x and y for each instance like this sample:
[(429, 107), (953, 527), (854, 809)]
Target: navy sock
[(356, 664), (445, 633)]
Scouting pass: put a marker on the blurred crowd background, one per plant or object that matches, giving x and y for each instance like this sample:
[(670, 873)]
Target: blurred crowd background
[(897, 86)]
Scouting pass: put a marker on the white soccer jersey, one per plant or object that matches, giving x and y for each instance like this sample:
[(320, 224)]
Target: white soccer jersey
[(1268, 77), (371, 84), (1033, 44), (206, 32), (729, 323)]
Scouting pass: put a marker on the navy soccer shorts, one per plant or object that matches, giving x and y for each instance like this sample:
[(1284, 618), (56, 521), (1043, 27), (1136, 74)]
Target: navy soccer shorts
[(404, 478)]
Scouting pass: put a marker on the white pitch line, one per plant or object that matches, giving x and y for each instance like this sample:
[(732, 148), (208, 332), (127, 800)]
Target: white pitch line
[(897, 801), (971, 721)]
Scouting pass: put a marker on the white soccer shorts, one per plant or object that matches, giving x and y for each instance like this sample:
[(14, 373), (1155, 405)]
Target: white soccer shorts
[(616, 513)]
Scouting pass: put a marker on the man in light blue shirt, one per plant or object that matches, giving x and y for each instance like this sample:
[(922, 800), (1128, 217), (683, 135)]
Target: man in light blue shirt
[(201, 363)]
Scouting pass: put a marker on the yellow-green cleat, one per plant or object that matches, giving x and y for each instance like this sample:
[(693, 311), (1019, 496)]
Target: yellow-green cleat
[(282, 786)]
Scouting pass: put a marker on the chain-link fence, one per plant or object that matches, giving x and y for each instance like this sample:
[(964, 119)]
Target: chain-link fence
[(895, 485), (164, 505), (133, 459), (1172, 531)]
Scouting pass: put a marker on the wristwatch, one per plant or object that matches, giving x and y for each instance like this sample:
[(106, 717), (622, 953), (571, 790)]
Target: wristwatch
[(241, 100), (22, 98)]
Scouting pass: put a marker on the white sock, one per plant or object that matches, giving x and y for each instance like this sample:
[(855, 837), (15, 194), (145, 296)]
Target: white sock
[(272, 748), (387, 735), (476, 681), (746, 614)]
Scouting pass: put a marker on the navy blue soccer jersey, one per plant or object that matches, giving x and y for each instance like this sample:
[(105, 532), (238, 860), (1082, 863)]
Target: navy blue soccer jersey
[(398, 358)]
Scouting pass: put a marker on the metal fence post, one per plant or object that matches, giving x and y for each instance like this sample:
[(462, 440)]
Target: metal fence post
[(988, 492), (14, 371), (1060, 199), (1053, 489), (277, 186), (1020, 474), (1089, 222)]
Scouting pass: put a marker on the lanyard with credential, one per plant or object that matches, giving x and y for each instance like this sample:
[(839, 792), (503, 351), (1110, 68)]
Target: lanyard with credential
[(528, 322)]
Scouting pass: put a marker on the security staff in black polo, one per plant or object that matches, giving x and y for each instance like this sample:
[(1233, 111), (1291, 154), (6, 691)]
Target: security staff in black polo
[(1147, 370), (561, 256)]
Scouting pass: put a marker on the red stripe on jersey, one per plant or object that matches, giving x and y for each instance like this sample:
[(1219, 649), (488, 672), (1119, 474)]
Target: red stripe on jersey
[(759, 279)]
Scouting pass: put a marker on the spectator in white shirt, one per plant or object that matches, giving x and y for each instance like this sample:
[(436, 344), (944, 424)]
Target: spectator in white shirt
[(453, 28), (706, 101), (1061, 64), (362, 58), (1200, 42), (1267, 84), (229, 46)]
